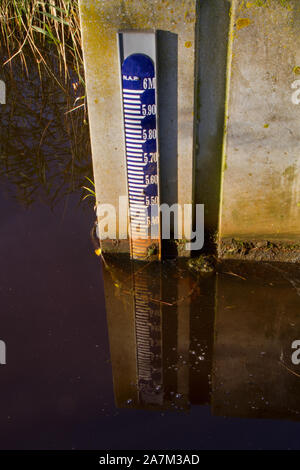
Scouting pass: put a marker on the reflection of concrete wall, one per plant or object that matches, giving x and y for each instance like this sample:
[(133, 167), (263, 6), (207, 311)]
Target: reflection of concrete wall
[(256, 324), (261, 190)]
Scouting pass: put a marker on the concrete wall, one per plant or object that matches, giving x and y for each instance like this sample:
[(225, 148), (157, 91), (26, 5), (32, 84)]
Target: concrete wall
[(242, 162), (261, 182)]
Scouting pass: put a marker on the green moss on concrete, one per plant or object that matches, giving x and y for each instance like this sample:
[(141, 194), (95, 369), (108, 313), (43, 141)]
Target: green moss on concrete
[(286, 4), (180, 244), (152, 251), (242, 23), (202, 264), (268, 3), (290, 173)]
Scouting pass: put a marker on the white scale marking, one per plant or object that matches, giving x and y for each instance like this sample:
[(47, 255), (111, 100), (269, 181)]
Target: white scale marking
[(135, 172), (129, 136), (133, 128), (132, 106), (134, 163), (132, 101), (131, 96), (133, 131), (135, 166), (129, 115), (137, 186), (137, 124), (132, 111), (141, 206), (135, 141), (136, 160), (125, 90)]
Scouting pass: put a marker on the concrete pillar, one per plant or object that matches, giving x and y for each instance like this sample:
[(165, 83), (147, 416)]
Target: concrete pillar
[(261, 181), (213, 32), (175, 23)]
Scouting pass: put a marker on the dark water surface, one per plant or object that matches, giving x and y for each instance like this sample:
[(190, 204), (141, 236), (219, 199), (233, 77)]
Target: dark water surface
[(176, 360)]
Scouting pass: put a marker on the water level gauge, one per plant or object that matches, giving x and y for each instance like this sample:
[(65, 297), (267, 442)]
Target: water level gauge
[(139, 99)]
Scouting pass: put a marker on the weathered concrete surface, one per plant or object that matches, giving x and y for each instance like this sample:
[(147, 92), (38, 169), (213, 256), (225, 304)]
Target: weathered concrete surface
[(261, 185), (100, 21), (213, 29)]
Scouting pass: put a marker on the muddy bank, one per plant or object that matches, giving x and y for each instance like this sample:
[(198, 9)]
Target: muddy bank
[(260, 250)]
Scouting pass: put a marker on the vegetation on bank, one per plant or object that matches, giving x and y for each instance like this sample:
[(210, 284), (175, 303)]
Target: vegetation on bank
[(44, 146), (45, 29)]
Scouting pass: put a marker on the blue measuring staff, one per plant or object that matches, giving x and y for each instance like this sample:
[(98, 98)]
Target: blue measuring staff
[(141, 141)]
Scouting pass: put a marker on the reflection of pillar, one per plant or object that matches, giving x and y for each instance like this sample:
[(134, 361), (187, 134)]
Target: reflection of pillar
[(120, 319), (257, 320), (148, 317), (183, 337)]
